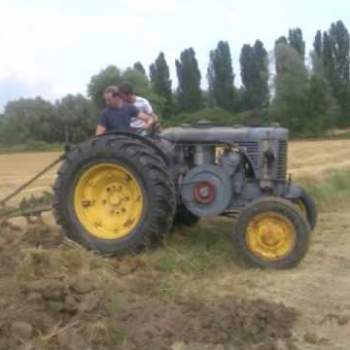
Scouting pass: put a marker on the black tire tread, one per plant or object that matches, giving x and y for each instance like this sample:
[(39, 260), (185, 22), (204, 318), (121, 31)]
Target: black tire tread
[(311, 208), (284, 207), (152, 169)]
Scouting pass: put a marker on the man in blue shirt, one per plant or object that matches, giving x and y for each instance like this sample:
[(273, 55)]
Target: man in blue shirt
[(120, 116)]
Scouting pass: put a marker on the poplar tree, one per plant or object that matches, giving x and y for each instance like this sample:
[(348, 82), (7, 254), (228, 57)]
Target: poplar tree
[(255, 75), (161, 82), (221, 77), (189, 94)]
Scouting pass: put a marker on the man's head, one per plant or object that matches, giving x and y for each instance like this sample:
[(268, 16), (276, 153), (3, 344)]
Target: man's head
[(112, 97), (126, 92)]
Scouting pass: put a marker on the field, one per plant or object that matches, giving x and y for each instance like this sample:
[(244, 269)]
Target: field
[(191, 293)]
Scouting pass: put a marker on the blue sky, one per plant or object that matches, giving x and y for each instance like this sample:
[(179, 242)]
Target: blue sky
[(51, 48)]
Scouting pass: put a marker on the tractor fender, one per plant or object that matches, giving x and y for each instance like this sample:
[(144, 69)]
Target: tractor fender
[(143, 139), (293, 191)]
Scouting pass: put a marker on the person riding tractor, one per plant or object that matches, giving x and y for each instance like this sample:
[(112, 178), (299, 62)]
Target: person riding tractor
[(123, 116)]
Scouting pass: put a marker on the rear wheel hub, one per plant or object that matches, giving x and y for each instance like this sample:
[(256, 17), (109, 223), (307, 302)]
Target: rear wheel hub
[(108, 201)]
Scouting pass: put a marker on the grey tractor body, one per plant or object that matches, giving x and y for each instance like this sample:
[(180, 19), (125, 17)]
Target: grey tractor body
[(218, 170), (178, 176)]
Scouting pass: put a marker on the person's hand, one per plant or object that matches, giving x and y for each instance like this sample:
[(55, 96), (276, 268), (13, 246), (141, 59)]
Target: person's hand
[(149, 123)]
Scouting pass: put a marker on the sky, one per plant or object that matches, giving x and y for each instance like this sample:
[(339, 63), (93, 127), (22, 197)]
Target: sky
[(52, 48)]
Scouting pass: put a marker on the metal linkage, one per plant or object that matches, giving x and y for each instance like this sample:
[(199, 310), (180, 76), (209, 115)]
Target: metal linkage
[(28, 207)]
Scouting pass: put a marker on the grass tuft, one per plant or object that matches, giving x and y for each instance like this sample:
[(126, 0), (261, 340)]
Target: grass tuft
[(335, 189)]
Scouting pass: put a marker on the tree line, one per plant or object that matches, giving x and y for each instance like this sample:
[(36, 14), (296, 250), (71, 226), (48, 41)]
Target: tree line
[(308, 93)]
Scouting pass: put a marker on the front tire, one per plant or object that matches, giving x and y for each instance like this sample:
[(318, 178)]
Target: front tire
[(114, 194), (308, 208), (271, 233)]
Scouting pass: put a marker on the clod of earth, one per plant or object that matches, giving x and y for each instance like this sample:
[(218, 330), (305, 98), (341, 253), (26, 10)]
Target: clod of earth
[(22, 330), (83, 285)]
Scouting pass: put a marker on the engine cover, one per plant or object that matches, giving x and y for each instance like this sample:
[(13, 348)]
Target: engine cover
[(206, 190)]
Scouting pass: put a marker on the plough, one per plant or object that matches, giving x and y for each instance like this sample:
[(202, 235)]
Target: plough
[(29, 207)]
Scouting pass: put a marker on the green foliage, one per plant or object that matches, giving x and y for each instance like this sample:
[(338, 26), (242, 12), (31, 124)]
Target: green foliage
[(296, 41), (255, 76), (221, 77), (318, 46), (142, 88), (291, 83), (303, 104), (139, 66), (198, 251), (306, 100), (334, 51), (114, 76), (138, 80), (281, 40), (335, 188), (161, 83), (99, 82), (189, 95), (76, 119), (29, 121), (215, 115), (322, 107)]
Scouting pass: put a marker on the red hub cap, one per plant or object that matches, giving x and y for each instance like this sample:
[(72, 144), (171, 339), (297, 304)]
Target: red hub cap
[(204, 192)]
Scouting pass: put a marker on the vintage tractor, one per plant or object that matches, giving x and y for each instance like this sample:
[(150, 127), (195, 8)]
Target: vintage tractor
[(120, 191)]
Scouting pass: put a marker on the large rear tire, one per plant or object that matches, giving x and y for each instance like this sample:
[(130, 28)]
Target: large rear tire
[(114, 194), (271, 233)]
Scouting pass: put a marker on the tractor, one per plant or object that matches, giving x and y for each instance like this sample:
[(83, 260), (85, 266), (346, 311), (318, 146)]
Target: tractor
[(119, 192)]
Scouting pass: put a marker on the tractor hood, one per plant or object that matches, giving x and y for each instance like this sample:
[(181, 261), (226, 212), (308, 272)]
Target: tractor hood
[(222, 134)]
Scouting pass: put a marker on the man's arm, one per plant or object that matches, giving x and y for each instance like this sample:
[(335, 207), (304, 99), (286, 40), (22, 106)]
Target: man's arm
[(147, 107), (102, 125), (147, 119), (149, 110), (100, 130)]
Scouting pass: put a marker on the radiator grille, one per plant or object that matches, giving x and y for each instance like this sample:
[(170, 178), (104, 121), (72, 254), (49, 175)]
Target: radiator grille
[(282, 160)]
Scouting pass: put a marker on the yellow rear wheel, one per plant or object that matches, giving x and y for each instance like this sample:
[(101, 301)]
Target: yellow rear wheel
[(113, 194), (108, 201)]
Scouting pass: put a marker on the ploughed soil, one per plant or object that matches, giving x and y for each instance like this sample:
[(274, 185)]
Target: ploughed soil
[(191, 293), (55, 295)]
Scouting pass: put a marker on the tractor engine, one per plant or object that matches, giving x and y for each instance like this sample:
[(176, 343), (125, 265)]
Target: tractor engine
[(213, 176), (220, 169)]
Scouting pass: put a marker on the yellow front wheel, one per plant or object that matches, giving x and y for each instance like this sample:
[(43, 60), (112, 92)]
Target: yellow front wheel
[(271, 233), (271, 236)]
